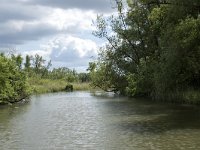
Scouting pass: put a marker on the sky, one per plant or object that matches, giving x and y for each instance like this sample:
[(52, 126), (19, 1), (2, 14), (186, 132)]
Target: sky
[(58, 30)]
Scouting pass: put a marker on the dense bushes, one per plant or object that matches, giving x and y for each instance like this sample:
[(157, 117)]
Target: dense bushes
[(18, 80), (12, 80)]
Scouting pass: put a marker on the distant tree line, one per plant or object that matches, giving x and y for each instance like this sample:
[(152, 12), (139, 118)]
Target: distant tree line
[(15, 72), (37, 66)]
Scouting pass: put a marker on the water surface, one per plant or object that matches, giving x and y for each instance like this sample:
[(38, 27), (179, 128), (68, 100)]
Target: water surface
[(84, 120)]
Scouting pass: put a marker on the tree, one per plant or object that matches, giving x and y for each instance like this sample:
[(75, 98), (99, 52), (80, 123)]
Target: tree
[(13, 85), (18, 60), (27, 63), (152, 48), (38, 63), (132, 43)]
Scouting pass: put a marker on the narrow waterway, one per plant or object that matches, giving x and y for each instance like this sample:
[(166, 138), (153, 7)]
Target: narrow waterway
[(84, 120)]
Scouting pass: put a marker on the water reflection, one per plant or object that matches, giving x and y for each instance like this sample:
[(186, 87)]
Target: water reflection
[(84, 120)]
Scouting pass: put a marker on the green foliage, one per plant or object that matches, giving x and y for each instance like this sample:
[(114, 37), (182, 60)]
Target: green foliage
[(17, 82), (84, 86), (131, 89), (40, 85), (38, 62), (18, 60), (27, 63), (43, 79), (153, 49), (63, 73), (12, 80), (84, 77), (101, 77), (179, 66)]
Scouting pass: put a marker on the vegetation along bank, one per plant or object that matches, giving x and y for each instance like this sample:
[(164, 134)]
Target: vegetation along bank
[(152, 50), (19, 80)]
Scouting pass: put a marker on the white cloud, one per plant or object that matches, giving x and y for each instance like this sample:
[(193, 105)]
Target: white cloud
[(57, 30), (73, 19), (68, 51), (55, 21)]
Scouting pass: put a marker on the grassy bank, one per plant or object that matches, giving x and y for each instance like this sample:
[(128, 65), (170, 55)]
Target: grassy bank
[(81, 86), (40, 86), (192, 96), (189, 96)]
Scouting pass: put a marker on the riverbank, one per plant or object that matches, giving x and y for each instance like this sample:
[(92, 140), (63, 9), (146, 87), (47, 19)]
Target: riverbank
[(40, 86), (189, 96)]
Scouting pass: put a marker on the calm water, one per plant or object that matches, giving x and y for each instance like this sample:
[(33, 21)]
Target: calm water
[(82, 120)]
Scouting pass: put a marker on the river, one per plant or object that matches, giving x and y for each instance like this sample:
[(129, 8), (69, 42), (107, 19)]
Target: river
[(96, 121)]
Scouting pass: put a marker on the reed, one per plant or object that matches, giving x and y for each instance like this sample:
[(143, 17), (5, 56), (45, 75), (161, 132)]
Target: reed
[(40, 86)]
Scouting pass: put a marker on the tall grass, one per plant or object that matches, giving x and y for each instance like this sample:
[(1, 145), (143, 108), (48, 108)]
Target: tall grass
[(46, 85), (192, 96), (187, 96), (82, 86), (40, 86)]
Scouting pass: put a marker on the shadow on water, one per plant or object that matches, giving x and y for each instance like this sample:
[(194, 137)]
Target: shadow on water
[(144, 116), (178, 120), (9, 112)]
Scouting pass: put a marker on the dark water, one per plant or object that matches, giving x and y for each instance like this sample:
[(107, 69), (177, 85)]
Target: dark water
[(82, 120)]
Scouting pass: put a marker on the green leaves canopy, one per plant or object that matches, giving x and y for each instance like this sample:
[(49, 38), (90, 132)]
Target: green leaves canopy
[(12, 80), (153, 48)]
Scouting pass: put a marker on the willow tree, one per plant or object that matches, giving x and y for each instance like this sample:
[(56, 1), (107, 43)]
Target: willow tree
[(152, 47), (130, 46)]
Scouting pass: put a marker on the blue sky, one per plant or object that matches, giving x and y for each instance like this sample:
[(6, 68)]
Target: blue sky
[(60, 30)]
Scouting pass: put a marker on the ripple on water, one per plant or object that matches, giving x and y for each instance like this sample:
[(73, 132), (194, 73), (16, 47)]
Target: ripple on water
[(83, 120)]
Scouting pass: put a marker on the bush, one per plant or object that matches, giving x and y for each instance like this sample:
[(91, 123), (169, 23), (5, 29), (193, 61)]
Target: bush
[(13, 85)]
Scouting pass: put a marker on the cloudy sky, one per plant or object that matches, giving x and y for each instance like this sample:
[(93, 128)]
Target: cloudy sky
[(59, 30)]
